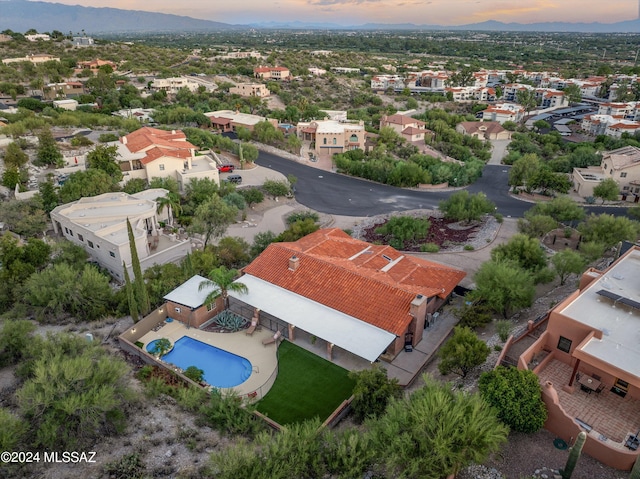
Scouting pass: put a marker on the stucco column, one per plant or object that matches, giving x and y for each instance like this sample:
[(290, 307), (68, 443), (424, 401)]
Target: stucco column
[(292, 333), (330, 351)]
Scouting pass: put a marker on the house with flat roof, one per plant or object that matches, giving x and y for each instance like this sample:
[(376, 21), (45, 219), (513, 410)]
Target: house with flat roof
[(149, 153), (250, 89), (588, 360), (328, 137), (622, 165), (229, 120), (35, 58), (272, 73), (359, 298), (187, 303), (99, 225)]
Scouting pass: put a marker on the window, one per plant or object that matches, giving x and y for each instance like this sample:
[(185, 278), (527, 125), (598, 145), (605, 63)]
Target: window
[(211, 306), (611, 172), (625, 188), (564, 344), (90, 243), (334, 141), (80, 237), (623, 174), (161, 167), (66, 230), (70, 233), (112, 254), (177, 310), (324, 141)]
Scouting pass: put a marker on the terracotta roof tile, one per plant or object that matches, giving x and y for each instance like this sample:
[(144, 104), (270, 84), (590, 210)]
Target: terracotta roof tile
[(373, 283)]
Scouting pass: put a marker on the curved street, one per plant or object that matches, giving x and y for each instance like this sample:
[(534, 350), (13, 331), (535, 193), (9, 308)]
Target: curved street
[(338, 194)]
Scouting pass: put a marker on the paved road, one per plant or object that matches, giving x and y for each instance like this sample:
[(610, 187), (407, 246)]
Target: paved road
[(331, 193)]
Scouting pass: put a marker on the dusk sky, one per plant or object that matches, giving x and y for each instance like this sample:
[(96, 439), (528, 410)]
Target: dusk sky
[(355, 12)]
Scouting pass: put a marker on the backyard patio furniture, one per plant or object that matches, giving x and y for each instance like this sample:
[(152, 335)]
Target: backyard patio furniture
[(252, 328), (272, 339), (633, 442)]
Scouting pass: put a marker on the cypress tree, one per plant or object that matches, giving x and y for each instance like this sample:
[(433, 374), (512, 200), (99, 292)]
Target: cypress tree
[(140, 289), (131, 299)]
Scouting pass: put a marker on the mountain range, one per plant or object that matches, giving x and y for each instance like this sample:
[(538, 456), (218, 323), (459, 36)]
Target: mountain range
[(22, 15)]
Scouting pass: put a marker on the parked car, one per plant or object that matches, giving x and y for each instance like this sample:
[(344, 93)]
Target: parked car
[(234, 179), (226, 168)]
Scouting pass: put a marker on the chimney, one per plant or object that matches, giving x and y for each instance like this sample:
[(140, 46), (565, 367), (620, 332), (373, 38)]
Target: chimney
[(294, 262)]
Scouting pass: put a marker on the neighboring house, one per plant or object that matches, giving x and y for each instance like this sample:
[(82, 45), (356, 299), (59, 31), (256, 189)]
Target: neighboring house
[(623, 165), (250, 89), (187, 303), (228, 120), (503, 112), (486, 130), (82, 42), (317, 71), (94, 65), (35, 58), (5, 38), (408, 128), (236, 55), (63, 90), (70, 105), (272, 73), (382, 82), (99, 225), (364, 299), (38, 36), (175, 84), (345, 70), (152, 153), (328, 137), (588, 361), (143, 115)]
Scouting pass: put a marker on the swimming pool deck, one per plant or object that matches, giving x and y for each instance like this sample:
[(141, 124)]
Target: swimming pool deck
[(263, 359)]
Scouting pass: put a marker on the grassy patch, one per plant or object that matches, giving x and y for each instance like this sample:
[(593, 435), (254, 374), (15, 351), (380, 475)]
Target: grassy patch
[(307, 386)]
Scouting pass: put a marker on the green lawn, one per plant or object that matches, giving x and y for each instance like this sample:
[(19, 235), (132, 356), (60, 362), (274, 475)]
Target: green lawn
[(307, 386)]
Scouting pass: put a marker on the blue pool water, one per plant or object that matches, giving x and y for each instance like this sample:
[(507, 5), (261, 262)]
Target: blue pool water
[(222, 369)]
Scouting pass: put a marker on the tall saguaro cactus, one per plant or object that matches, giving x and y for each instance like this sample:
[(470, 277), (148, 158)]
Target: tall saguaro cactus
[(572, 460), (635, 472)]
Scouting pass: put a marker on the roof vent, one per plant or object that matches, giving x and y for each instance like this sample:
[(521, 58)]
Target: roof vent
[(387, 258), (294, 262)]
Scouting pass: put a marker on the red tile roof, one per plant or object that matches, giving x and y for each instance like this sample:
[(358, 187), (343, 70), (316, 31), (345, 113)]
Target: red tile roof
[(157, 143), (374, 283)]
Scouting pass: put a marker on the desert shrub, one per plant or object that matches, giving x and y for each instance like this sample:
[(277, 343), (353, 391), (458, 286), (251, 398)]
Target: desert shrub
[(372, 392), (276, 188), (468, 247), (400, 229), (499, 218), (129, 466), (15, 337), (226, 413), (503, 328), (302, 215), (517, 397), (462, 206), (474, 315), (12, 429), (107, 137), (463, 352), (429, 248)]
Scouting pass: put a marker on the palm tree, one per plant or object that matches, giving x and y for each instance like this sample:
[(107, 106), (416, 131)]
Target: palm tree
[(222, 281), (170, 201)]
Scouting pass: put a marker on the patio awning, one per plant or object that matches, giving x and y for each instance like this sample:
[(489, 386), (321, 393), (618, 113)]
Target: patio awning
[(344, 331)]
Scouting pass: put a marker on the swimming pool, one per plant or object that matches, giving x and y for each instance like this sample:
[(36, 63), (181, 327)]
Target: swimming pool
[(222, 369)]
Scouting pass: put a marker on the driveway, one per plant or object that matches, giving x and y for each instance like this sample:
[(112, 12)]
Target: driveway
[(498, 152)]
